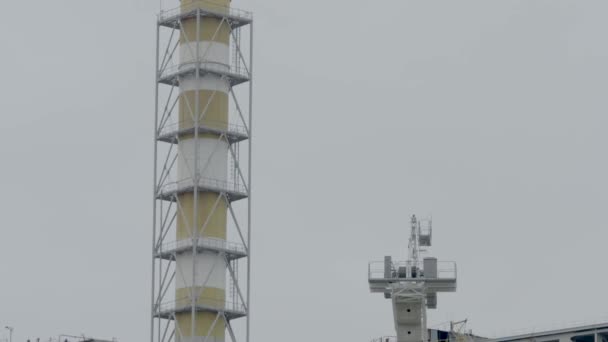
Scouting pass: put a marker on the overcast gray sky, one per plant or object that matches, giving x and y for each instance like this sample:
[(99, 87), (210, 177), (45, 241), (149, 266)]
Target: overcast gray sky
[(489, 115)]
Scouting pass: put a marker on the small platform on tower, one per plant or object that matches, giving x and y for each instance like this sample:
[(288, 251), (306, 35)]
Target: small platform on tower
[(232, 250), (437, 276), (234, 191), (171, 133), (171, 75), (172, 17), (230, 309)]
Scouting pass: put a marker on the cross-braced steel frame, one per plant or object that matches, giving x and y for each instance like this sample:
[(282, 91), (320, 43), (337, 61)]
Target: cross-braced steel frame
[(234, 191)]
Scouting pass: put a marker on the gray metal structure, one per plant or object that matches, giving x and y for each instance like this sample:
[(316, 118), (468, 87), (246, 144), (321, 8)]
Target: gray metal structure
[(10, 331), (597, 332), (235, 191), (412, 285)]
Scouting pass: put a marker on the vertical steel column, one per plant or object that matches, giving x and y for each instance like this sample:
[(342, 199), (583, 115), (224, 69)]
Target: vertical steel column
[(155, 160), (194, 237), (249, 176)]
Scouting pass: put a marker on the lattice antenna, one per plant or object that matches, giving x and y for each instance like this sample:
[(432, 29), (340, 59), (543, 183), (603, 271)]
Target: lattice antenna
[(413, 248)]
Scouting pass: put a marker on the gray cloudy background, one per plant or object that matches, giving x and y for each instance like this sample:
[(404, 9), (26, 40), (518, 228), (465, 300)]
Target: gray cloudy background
[(489, 115)]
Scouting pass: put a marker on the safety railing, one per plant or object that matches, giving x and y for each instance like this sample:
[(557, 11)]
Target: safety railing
[(394, 339), (205, 183), (173, 128), (445, 270), (205, 242), (385, 339), (185, 303), (205, 7), (530, 332), (208, 66), (426, 227)]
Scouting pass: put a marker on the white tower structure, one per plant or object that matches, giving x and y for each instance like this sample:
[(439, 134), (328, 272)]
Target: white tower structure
[(202, 174), (412, 285)]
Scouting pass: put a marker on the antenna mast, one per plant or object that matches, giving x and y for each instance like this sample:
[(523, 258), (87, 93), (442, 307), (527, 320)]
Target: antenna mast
[(412, 285)]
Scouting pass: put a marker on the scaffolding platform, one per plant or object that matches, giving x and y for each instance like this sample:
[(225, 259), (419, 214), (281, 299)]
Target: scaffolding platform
[(171, 18), (170, 309), (233, 250), (233, 191), (233, 133), (172, 74), (382, 279)]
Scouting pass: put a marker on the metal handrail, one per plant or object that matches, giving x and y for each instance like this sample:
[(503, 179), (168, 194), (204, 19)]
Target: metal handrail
[(530, 332), (204, 65), (394, 339), (445, 269), (207, 302), (216, 125), (385, 339), (212, 243), (205, 182), (207, 7)]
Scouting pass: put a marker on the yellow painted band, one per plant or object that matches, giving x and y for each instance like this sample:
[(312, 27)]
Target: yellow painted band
[(211, 29), (209, 296), (204, 321), (216, 227), (213, 108)]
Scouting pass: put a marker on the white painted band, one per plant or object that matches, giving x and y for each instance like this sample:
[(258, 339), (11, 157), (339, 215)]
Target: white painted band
[(208, 52), (209, 267), (206, 82), (212, 161)]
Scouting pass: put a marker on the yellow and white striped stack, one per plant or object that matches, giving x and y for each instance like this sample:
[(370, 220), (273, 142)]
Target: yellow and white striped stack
[(203, 99)]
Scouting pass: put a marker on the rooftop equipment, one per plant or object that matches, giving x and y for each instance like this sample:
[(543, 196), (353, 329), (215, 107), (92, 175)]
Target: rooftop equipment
[(413, 285)]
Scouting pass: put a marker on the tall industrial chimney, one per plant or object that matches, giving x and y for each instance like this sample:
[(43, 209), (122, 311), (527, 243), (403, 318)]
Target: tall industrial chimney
[(202, 181)]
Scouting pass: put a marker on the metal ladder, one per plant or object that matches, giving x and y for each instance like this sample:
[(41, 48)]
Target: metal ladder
[(235, 42)]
